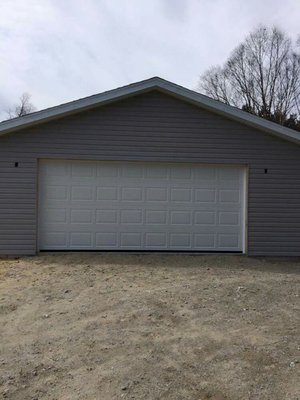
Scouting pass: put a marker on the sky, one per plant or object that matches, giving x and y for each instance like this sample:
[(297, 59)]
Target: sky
[(62, 50)]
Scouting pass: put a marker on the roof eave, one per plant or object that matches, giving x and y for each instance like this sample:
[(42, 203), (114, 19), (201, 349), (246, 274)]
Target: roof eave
[(74, 107), (155, 83), (233, 113)]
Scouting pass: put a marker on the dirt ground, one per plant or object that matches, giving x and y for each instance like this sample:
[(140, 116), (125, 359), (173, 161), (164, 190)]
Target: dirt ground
[(149, 326)]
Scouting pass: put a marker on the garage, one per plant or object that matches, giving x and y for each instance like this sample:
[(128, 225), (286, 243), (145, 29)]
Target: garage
[(151, 166), (141, 206)]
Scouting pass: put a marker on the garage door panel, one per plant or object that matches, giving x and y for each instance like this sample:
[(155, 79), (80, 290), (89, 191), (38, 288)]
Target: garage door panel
[(229, 218), (107, 171), (54, 239), (229, 196), (205, 217), (107, 193), (207, 174), (181, 195), (205, 241), (230, 207), (81, 216), (57, 215), (228, 241), (228, 185), (82, 170), (229, 174), (211, 229), (132, 217), (82, 193), (156, 217), (154, 194), (107, 216), (180, 240), (157, 172), (132, 171), (55, 171), (181, 172), (181, 217), (81, 239), (106, 240), (56, 192), (130, 240), (156, 240), (126, 205), (205, 195), (131, 194)]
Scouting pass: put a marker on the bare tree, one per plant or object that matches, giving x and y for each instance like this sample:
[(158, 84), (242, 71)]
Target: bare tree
[(261, 76), (22, 108)]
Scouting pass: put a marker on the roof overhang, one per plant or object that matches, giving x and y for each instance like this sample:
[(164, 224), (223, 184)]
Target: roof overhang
[(155, 83)]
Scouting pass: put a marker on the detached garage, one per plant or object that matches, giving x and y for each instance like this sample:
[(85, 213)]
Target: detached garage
[(149, 166)]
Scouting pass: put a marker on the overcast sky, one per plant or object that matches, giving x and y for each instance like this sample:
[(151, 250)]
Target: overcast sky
[(61, 50)]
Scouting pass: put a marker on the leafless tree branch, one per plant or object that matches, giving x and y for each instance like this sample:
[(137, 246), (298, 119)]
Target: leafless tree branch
[(261, 76), (22, 108)]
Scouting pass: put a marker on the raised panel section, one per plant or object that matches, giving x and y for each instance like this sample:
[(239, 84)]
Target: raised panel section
[(181, 172), (82, 170), (205, 217), (55, 239), (135, 170), (228, 241), (107, 170), (181, 195), (204, 241), (156, 194), (106, 240), (181, 217), (81, 193), (57, 215), (81, 216), (80, 239), (229, 174), (56, 192), (107, 216), (205, 195), (156, 239), (180, 240), (129, 239), (205, 174), (131, 216), (156, 217), (229, 196), (131, 194), (107, 193), (55, 169), (229, 218), (157, 172)]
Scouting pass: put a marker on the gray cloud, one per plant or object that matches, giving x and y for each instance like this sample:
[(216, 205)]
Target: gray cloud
[(60, 50)]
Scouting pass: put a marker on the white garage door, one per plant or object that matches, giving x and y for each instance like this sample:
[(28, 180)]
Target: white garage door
[(140, 206)]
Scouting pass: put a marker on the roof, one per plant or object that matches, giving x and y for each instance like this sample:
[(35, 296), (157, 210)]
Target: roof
[(133, 89)]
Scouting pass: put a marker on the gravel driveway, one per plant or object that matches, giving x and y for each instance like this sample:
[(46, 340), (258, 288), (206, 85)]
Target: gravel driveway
[(149, 326)]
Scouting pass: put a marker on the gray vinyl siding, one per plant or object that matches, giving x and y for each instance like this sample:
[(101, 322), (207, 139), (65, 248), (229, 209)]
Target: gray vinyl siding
[(155, 127)]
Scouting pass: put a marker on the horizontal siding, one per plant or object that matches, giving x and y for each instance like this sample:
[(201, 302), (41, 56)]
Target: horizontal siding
[(155, 127), (17, 204)]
